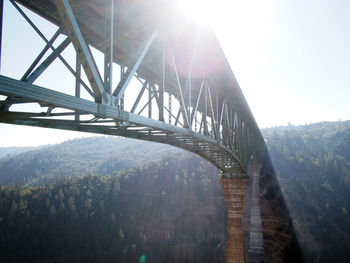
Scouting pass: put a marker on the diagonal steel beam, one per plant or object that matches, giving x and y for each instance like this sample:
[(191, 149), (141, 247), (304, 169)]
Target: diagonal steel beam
[(214, 124), (124, 82), (205, 112), (234, 131), (194, 111), (221, 118), (71, 26), (201, 124), (144, 86), (147, 103), (53, 49), (155, 94), (177, 118), (228, 126), (182, 101), (41, 54), (172, 115), (47, 62)]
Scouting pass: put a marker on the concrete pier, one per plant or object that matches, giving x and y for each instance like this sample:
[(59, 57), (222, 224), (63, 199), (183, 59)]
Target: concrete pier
[(256, 246), (234, 189)]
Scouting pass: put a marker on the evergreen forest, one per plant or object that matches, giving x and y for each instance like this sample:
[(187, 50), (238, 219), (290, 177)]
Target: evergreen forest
[(156, 211), (110, 199), (312, 163)]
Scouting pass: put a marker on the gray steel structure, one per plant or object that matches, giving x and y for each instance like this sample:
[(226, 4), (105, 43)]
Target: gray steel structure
[(187, 94)]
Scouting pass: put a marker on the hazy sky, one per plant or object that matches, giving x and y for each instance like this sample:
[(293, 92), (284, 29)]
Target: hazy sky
[(290, 57)]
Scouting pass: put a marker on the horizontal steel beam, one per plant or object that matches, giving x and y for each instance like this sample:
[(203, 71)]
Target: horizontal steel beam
[(43, 96)]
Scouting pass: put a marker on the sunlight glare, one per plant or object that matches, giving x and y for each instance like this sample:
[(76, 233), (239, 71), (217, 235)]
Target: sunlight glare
[(201, 11), (245, 14)]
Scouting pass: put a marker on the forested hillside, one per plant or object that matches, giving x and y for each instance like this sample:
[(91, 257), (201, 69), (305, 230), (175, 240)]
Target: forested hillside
[(160, 212), (11, 151), (313, 166), (114, 199), (94, 155)]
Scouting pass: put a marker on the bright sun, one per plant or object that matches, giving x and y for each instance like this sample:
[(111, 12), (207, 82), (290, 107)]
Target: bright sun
[(223, 14), (201, 11)]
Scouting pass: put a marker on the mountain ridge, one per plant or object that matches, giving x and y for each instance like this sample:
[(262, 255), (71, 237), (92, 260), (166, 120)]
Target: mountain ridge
[(312, 163), (101, 155)]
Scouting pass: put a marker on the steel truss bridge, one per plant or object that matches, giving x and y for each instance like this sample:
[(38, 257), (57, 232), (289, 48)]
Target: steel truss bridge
[(186, 94), (163, 79)]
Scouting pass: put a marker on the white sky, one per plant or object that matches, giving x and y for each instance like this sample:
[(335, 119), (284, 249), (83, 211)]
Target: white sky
[(290, 57)]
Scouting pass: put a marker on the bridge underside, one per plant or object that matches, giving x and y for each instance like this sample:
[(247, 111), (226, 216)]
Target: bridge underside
[(175, 85), (107, 120)]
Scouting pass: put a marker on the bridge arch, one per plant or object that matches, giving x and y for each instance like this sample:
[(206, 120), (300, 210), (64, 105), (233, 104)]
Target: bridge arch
[(186, 95)]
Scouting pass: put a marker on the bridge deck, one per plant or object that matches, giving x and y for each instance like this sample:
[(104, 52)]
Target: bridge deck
[(134, 23)]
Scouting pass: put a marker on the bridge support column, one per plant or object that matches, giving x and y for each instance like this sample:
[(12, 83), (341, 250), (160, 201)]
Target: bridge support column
[(256, 246), (234, 189)]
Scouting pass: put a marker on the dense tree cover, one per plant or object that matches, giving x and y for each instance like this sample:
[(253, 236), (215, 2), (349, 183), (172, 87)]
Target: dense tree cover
[(313, 166), (94, 155), (170, 210), (10, 151), (135, 210)]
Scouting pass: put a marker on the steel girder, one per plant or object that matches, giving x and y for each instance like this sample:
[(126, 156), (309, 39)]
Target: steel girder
[(207, 113)]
